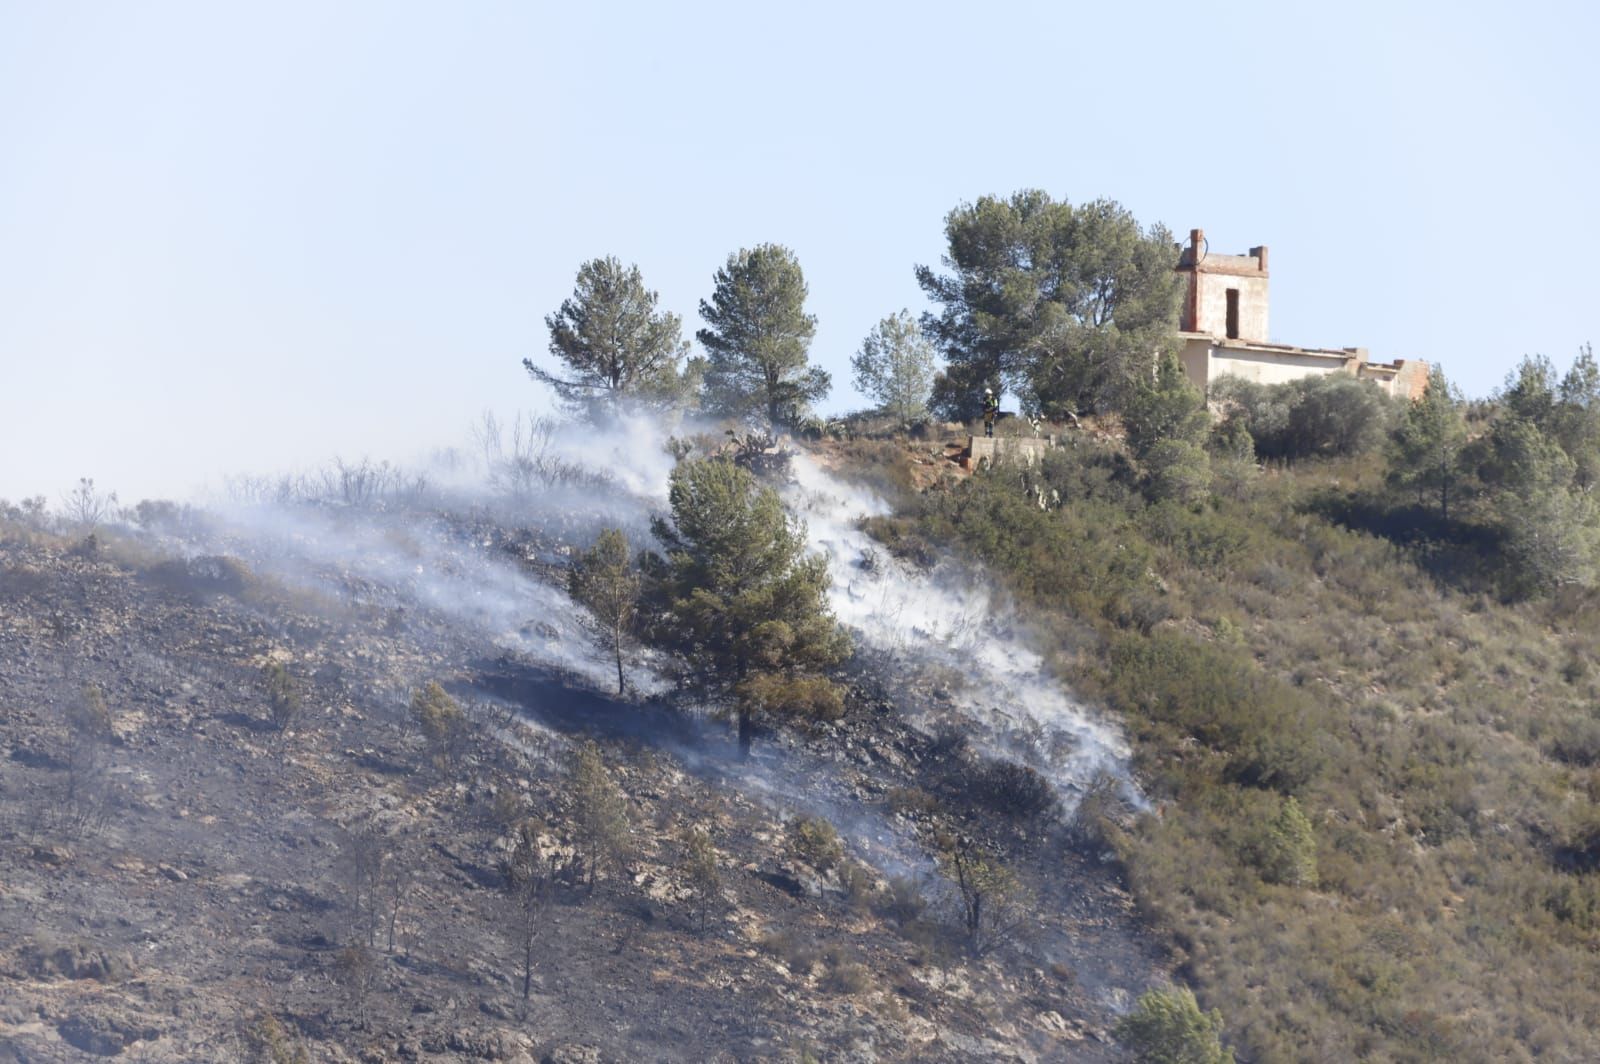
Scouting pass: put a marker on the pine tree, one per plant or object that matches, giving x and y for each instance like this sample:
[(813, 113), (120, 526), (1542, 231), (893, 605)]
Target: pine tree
[(599, 810), (1530, 392), (1166, 422), (895, 366), (757, 337), (740, 600), (1578, 418), (617, 347), (1168, 407), (1066, 306), (1426, 446), (701, 875), (529, 879), (605, 580), (442, 723), (1552, 529)]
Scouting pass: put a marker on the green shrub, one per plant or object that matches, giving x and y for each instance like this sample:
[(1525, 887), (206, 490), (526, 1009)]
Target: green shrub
[(267, 1042), (813, 841), (283, 695), (904, 902), (798, 954), (1093, 819), (442, 722), (1578, 742), (1180, 472), (1258, 723), (846, 974), (1167, 1027), (1285, 852), (206, 574), (913, 802), (1327, 415), (1204, 539), (1576, 900)]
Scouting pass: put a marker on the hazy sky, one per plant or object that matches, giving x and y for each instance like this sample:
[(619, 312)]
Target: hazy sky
[(250, 237)]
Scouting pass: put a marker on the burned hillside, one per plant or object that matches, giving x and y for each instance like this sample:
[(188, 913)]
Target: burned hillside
[(236, 825)]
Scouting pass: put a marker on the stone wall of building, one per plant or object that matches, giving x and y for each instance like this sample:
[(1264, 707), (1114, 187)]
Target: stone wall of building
[(1273, 367), (985, 451), (1210, 277), (1224, 323)]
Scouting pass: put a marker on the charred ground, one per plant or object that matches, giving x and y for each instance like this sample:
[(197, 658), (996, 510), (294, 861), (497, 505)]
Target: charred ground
[(189, 889)]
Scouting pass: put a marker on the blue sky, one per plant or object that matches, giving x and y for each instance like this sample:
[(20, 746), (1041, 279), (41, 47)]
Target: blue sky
[(251, 237)]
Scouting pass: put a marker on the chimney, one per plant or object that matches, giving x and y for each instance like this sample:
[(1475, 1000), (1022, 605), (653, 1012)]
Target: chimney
[(1197, 237), (1260, 255)]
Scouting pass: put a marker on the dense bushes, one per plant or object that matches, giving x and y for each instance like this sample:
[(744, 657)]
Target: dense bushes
[(1258, 724), (1364, 779), (1497, 494), (1314, 416)]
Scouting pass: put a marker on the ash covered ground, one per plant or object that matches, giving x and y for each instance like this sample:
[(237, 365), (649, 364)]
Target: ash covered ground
[(189, 887)]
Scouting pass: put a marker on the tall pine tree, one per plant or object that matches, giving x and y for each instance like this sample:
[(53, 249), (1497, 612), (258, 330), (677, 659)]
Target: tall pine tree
[(740, 600), (1425, 451), (757, 337), (617, 348)]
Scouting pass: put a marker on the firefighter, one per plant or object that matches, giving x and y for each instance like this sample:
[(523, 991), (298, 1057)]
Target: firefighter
[(991, 410)]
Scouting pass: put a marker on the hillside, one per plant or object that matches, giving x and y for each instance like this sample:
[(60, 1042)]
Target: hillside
[(195, 883), (1239, 746), (1374, 833)]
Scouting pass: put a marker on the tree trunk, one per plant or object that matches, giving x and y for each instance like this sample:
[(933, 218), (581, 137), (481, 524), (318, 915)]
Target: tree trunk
[(621, 683), (527, 967), (747, 733)]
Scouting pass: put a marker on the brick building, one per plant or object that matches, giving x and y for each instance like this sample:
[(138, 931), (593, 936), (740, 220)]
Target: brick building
[(1223, 328)]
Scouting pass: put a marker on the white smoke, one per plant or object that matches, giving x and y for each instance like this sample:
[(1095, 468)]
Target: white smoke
[(951, 619), (425, 556), (419, 561), (915, 621)]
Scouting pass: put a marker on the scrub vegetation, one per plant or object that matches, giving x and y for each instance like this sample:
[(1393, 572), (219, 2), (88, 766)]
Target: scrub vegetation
[(1375, 833)]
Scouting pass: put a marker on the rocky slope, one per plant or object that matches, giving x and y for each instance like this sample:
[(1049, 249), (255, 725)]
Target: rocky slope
[(188, 887)]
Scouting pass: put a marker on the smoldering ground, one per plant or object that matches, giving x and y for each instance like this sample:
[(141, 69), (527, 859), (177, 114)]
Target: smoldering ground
[(474, 556), (457, 572), (480, 541)]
